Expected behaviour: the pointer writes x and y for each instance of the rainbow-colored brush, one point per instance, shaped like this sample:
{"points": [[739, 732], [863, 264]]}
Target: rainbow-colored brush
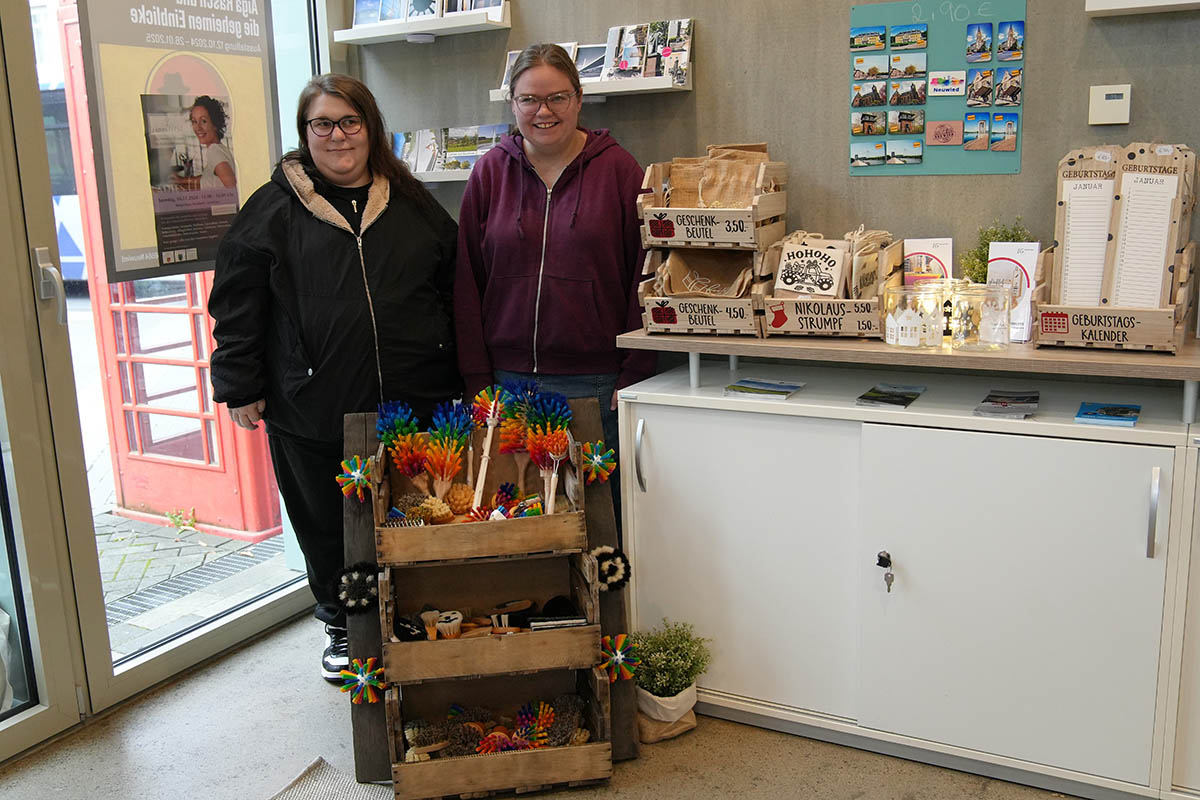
{"points": [[546, 438], [398, 431], [486, 410], [447, 440], [512, 424]]}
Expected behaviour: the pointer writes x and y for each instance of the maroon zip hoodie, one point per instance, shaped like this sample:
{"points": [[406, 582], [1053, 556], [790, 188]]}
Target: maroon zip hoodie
{"points": [[547, 279]]}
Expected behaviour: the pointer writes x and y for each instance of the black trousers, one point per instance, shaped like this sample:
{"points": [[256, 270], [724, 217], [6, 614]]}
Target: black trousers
{"points": [[305, 470]]}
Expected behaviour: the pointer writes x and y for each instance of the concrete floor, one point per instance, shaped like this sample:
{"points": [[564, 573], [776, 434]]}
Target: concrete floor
{"points": [[242, 726]]}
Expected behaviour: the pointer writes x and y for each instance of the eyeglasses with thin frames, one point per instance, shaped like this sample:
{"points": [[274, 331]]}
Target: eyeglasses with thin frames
{"points": [[530, 104], [324, 127]]}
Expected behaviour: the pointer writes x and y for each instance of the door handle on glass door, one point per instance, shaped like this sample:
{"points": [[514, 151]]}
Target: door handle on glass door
{"points": [[50, 282], [637, 454], [1152, 523]]}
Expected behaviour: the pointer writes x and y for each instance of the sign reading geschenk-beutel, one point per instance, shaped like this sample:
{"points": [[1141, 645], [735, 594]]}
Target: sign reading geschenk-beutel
{"points": [[183, 118]]}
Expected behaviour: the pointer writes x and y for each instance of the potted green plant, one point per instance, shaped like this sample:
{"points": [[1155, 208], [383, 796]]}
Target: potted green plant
{"points": [[672, 658], [974, 262]]}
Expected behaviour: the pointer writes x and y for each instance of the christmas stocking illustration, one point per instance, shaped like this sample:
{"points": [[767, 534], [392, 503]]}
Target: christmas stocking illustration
{"points": [[780, 318]]}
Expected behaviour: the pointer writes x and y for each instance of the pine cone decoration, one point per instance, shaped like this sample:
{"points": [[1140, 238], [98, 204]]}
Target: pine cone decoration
{"points": [[459, 498], [439, 512]]}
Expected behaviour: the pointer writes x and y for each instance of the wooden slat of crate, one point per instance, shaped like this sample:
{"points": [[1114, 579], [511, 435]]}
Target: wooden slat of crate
{"points": [[442, 777], [565, 648], [585, 587], [558, 533]]}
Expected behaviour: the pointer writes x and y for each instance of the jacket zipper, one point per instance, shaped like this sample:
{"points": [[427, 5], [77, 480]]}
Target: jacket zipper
{"points": [[362, 263], [537, 304]]}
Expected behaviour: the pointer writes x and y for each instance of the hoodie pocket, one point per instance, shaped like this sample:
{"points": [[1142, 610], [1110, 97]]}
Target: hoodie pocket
{"points": [[296, 367], [570, 320]]}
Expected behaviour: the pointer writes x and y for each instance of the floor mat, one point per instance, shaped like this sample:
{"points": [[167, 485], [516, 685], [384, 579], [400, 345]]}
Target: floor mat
{"points": [[320, 781]]}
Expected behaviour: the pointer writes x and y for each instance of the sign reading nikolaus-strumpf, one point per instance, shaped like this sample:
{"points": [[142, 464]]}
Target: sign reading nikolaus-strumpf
{"points": [[683, 314], [825, 317], [733, 226], [807, 268]]}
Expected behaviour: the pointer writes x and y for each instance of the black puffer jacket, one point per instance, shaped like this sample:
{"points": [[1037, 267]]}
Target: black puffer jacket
{"points": [[312, 318]]}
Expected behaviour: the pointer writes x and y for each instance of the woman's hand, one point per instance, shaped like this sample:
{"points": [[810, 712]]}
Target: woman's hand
{"points": [[248, 416], [612, 405]]}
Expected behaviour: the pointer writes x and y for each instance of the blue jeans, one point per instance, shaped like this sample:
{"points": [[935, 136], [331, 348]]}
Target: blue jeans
{"points": [[600, 387]]}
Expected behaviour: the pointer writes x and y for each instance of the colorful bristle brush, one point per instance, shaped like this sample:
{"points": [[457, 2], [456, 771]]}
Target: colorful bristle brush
{"points": [[486, 410], [512, 425], [598, 461], [408, 454], [447, 441], [355, 477], [546, 438], [395, 420]]}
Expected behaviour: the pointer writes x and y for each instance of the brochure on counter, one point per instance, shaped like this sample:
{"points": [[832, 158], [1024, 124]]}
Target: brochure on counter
{"points": [[762, 389], [1123, 415], [889, 395], [1009, 403]]}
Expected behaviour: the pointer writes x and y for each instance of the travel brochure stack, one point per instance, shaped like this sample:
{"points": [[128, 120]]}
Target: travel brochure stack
{"points": [[644, 50], [446, 149], [368, 12]]}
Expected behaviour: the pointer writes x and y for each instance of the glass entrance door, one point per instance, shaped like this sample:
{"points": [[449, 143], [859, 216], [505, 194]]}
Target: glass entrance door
{"points": [[172, 526]]}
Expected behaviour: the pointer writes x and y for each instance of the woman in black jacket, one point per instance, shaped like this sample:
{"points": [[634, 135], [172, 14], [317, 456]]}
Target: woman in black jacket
{"points": [[332, 293]]}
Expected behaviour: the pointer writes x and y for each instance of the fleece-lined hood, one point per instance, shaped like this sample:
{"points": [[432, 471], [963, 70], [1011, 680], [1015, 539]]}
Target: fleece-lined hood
{"points": [[291, 176]]}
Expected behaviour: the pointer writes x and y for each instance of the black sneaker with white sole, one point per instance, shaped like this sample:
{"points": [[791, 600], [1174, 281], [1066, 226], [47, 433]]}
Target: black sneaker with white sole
{"points": [[337, 654]]}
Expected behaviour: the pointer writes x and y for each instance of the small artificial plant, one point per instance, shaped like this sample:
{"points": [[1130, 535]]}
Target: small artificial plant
{"points": [[974, 262], [673, 657]]}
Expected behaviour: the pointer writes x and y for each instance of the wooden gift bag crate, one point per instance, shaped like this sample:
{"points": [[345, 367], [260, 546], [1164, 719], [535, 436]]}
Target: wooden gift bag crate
{"points": [[711, 315], [753, 228], [830, 316], [520, 771], [1157, 329]]}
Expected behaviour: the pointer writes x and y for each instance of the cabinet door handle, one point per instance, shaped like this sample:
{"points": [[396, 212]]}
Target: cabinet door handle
{"points": [[1152, 523], [637, 455]]}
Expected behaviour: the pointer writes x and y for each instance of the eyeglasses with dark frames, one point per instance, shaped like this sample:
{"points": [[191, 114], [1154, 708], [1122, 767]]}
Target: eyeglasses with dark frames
{"points": [[322, 126], [530, 104]]}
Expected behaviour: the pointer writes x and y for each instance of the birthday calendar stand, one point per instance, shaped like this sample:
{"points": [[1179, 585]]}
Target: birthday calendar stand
{"points": [[478, 565]]}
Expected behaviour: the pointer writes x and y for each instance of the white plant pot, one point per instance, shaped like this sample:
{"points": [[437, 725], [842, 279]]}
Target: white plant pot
{"points": [[666, 709]]}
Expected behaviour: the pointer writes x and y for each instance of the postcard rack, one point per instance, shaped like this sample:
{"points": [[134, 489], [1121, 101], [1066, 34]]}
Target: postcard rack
{"points": [[477, 565]]}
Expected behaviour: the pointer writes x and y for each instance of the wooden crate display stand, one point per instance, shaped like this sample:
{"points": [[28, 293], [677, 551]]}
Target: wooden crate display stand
{"points": [[477, 564], [753, 228], [716, 315], [1156, 329]]}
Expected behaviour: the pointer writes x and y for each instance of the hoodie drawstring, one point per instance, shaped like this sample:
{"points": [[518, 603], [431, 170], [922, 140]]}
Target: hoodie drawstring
{"points": [[521, 208]]}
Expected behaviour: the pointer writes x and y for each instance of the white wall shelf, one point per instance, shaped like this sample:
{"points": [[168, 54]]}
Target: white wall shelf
{"points": [[443, 175], [663, 83], [490, 19], [1112, 8]]}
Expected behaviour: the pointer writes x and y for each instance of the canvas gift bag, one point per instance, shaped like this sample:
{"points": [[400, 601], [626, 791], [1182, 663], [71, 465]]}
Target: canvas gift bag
{"points": [[705, 273], [683, 189], [728, 183]]}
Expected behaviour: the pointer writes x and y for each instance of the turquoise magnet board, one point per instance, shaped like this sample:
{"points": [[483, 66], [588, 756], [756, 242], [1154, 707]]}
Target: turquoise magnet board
{"points": [[891, 115]]}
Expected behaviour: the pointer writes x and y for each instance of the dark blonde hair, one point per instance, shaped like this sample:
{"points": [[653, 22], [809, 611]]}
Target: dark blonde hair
{"points": [[551, 55]]}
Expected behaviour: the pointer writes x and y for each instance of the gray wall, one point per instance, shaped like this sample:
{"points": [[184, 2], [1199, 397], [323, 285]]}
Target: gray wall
{"points": [[776, 71]]}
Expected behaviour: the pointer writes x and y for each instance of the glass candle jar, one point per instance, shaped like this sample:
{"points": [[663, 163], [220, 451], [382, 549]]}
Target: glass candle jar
{"points": [[911, 316], [980, 316], [947, 286]]}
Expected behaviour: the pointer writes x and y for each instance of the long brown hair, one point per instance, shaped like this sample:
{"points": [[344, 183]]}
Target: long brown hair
{"points": [[549, 54], [380, 158]]}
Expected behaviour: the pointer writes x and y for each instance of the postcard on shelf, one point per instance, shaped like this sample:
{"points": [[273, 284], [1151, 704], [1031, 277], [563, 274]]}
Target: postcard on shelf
{"points": [[944, 132], [976, 129], [589, 60], [762, 389], [914, 36], [1015, 264], [867, 154], [510, 58], [868, 37], [631, 52], [907, 65], [889, 395], [423, 9], [366, 12], [979, 42], [868, 68], [392, 10], [979, 87], [1008, 86], [427, 152], [1009, 403], [868, 123], [1124, 415], [948, 84], [656, 42], [1010, 38], [570, 47], [677, 55], [908, 92], [906, 122], [931, 257], [464, 6], [1004, 133]]}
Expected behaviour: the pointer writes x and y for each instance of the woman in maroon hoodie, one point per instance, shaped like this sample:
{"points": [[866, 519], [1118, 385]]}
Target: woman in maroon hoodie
{"points": [[549, 251]]}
